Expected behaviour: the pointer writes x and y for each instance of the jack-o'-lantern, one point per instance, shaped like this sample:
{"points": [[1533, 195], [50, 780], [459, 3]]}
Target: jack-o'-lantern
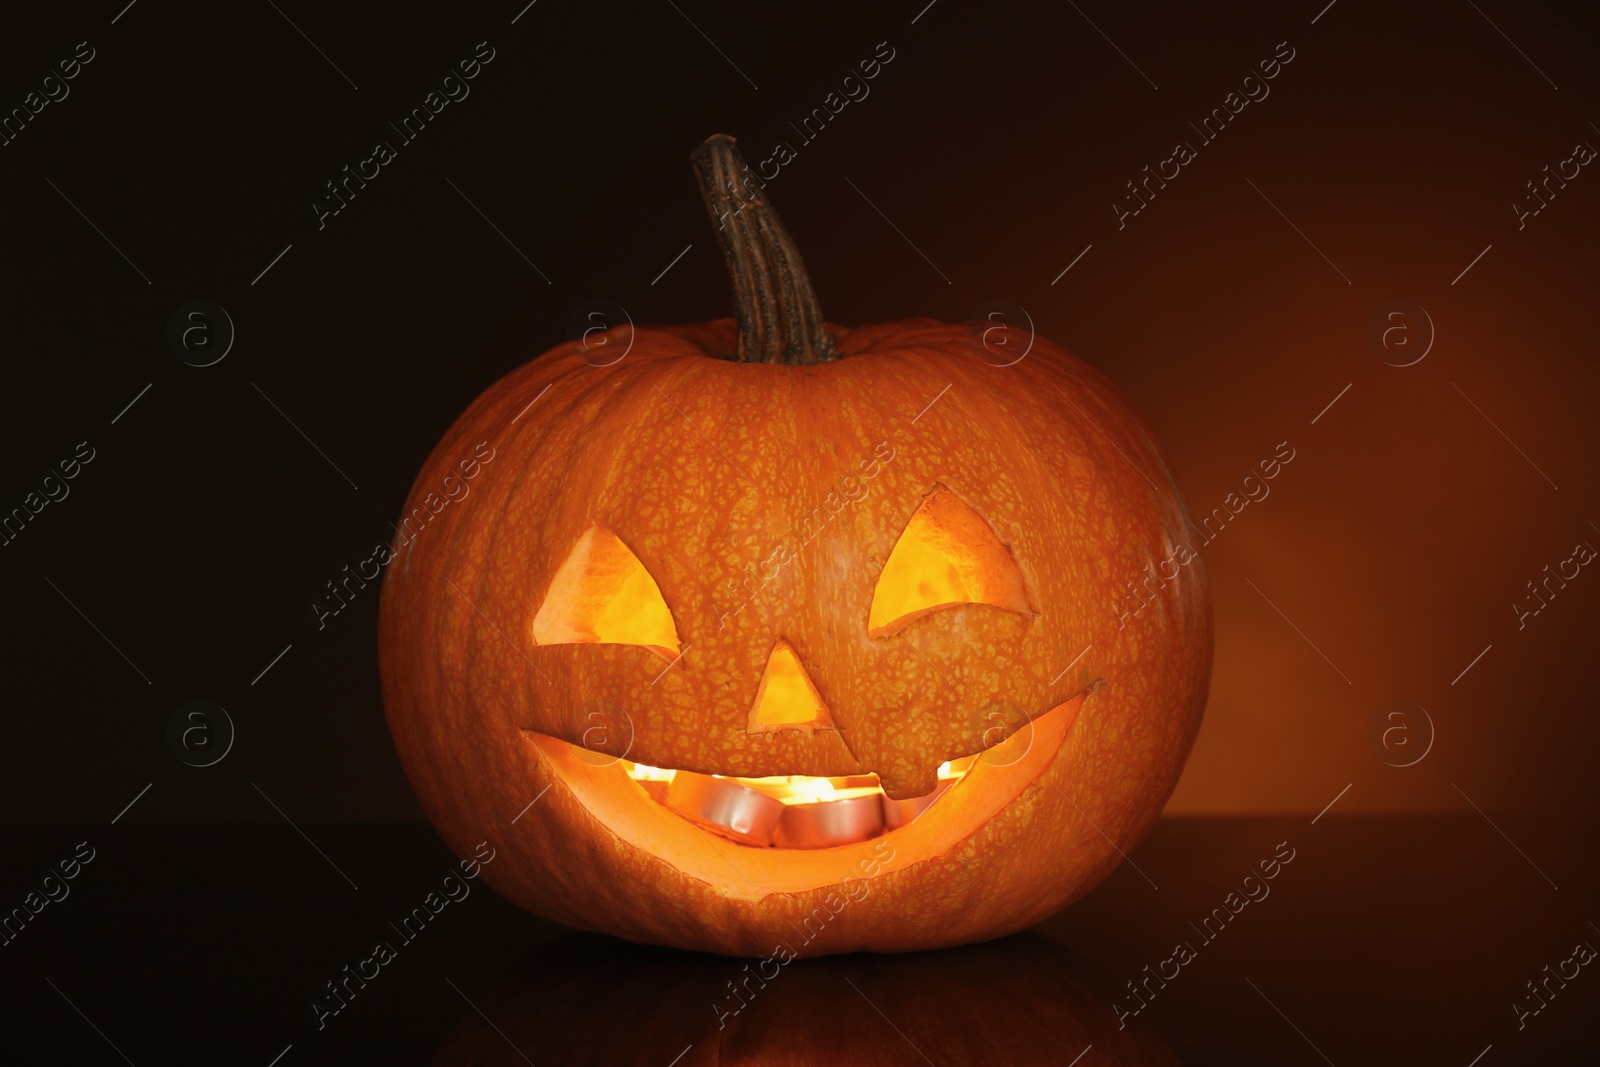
{"points": [[771, 630]]}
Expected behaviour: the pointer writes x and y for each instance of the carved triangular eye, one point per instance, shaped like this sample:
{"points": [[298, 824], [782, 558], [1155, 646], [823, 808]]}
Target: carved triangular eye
{"points": [[787, 698], [602, 594], [947, 555]]}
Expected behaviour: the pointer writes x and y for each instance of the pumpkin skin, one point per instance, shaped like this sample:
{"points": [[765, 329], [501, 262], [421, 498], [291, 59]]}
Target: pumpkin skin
{"points": [[1021, 1001], [703, 467]]}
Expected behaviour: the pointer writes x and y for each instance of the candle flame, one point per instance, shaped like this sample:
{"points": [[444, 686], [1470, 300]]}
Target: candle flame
{"points": [[951, 769], [813, 791], [801, 788]]}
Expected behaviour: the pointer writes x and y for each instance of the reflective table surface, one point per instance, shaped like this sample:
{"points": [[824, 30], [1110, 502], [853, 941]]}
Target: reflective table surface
{"points": [[1370, 940]]}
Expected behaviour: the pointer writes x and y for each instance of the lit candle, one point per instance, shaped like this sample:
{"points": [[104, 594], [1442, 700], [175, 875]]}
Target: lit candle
{"points": [[837, 817], [725, 806]]}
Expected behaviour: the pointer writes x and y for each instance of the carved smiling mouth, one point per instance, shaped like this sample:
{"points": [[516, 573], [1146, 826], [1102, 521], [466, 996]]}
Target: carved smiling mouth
{"points": [[802, 812]]}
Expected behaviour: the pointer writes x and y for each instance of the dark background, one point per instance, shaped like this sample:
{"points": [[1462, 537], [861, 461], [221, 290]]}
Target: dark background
{"points": [[1386, 558]]}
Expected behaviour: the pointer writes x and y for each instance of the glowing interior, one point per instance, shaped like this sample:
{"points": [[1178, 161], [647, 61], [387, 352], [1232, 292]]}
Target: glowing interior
{"points": [[842, 822], [787, 697], [602, 594], [802, 788], [947, 555], [790, 810]]}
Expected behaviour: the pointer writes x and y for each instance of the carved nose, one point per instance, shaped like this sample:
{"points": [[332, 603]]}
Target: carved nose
{"points": [[787, 699]]}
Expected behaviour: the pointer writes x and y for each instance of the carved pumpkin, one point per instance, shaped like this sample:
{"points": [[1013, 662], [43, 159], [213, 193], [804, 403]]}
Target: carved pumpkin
{"points": [[1018, 1002], [775, 631]]}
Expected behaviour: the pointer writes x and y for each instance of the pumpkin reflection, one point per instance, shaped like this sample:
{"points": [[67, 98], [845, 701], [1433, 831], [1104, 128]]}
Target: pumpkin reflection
{"points": [[590, 999]]}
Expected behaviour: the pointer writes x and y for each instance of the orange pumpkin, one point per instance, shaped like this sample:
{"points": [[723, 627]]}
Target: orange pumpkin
{"points": [[776, 633]]}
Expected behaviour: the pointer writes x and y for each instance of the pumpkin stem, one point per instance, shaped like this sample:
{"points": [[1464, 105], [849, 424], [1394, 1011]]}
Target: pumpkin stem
{"points": [[779, 320]]}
